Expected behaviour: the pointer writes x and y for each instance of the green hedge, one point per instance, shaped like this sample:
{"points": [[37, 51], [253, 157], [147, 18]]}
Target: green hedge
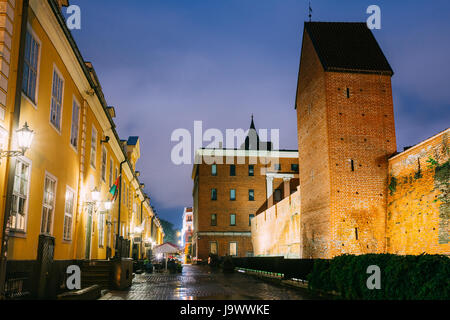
{"points": [[424, 277]]}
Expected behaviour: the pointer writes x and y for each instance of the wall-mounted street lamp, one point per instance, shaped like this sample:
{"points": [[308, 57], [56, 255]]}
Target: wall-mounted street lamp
{"points": [[108, 205], [24, 139], [106, 140], [95, 195]]}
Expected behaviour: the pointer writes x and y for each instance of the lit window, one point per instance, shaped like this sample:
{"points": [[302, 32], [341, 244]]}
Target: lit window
{"points": [[48, 205], [232, 194], [233, 249], [213, 247], [214, 219], [20, 196], [68, 214], [101, 230], [30, 67], [57, 98], [214, 170]]}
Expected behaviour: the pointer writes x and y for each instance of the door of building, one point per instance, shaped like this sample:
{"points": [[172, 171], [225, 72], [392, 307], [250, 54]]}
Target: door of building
{"points": [[88, 233], [46, 249]]}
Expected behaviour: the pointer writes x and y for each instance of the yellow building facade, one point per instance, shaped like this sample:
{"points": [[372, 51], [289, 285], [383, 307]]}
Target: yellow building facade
{"points": [[48, 195]]}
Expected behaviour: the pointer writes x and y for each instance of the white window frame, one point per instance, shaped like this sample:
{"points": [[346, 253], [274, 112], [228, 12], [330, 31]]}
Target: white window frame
{"points": [[26, 206], [101, 228], [93, 160], [111, 168], [56, 70], [104, 165], [69, 214], [75, 101], [36, 95], [51, 177]]}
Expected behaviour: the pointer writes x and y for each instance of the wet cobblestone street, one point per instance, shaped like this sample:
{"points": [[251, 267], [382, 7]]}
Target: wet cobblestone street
{"points": [[200, 283]]}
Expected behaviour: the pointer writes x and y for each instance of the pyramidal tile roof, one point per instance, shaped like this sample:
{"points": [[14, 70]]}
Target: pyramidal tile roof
{"points": [[347, 46]]}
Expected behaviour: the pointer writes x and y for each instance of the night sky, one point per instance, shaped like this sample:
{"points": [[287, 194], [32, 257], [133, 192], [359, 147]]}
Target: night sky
{"points": [[163, 64]]}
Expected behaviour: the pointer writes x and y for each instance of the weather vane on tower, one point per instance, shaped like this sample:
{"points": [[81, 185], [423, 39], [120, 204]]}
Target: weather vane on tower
{"points": [[310, 12]]}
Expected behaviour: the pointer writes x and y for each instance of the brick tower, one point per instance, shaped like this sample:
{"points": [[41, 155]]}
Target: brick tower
{"points": [[346, 134]]}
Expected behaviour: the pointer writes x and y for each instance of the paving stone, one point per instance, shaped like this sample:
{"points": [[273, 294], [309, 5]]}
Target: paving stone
{"points": [[200, 283]]}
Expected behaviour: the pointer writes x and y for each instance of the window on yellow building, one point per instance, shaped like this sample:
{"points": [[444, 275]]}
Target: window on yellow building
{"points": [[20, 196], [111, 164], [101, 230], [48, 205], [30, 67], [57, 99], [93, 147], [75, 124], [68, 214], [104, 164]]}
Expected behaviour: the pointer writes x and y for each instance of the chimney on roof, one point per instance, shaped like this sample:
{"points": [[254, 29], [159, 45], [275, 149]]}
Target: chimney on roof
{"points": [[111, 111]]}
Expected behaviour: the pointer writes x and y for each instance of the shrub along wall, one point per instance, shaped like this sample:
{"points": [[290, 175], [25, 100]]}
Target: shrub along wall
{"points": [[424, 277]]}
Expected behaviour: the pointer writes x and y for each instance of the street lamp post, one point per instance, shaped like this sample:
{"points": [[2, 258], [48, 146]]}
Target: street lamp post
{"points": [[24, 140]]}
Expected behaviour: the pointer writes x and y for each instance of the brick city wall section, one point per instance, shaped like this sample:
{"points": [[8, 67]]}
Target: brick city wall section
{"points": [[276, 232], [361, 138], [419, 199], [313, 154], [344, 142]]}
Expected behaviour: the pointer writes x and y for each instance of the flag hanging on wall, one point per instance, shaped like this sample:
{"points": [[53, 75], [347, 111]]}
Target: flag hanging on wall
{"points": [[114, 191]]}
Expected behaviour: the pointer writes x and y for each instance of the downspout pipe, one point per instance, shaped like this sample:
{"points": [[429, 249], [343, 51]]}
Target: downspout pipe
{"points": [[120, 196], [12, 162], [142, 202]]}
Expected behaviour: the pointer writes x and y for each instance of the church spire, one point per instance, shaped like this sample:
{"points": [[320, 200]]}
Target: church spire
{"points": [[252, 125]]}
